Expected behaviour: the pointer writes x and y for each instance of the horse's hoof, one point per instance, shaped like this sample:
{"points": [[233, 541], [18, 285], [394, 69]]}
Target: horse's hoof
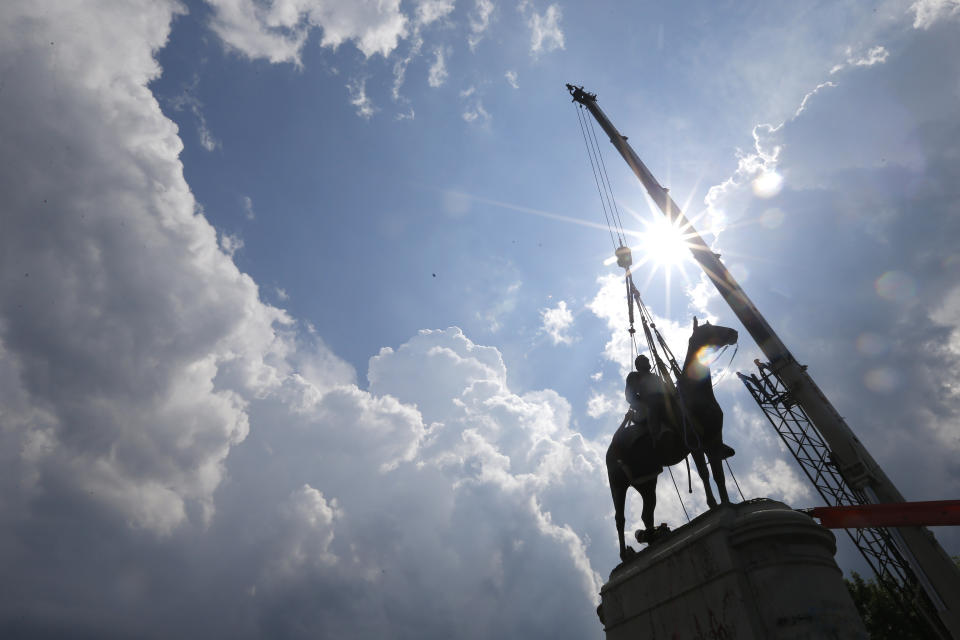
{"points": [[712, 504], [627, 554], [726, 451]]}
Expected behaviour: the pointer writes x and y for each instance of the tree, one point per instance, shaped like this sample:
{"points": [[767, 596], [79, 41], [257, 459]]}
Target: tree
{"points": [[883, 616]]}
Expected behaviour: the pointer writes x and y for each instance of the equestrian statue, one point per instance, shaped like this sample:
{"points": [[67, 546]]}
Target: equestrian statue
{"points": [[663, 426]]}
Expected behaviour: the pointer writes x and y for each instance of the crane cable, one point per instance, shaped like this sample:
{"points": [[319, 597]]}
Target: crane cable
{"points": [[596, 179], [653, 336], [608, 204], [606, 177]]}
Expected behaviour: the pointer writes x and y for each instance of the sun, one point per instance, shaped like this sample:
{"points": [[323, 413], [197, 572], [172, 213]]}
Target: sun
{"points": [[662, 244]]}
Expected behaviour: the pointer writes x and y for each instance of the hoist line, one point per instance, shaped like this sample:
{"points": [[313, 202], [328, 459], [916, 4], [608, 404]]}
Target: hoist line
{"points": [[598, 157], [727, 460], [603, 204], [726, 371], [678, 494], [645, 313], [606, 177]]}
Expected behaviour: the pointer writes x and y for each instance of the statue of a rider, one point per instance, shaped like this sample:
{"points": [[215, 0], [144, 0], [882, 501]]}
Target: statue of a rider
{"points": [[645, 395]]}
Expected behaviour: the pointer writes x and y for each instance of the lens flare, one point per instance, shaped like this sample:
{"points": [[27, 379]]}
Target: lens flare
{"points": [[881, 380], [772, 218], [895, 286], [767, 184], [871, 344]]}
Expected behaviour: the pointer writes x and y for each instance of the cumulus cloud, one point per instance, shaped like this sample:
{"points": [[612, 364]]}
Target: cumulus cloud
{"points": [[170, 442], [125, 367], [278, 31], [610, 305], [545, 32], [556, 322], [601, 404], [511, 77]]}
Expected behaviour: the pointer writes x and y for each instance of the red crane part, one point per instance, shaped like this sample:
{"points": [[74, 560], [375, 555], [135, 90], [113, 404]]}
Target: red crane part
{"points": [[933, 513]]}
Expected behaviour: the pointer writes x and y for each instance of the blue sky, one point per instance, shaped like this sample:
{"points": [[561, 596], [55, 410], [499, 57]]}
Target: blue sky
{"points": [[305, 325]]}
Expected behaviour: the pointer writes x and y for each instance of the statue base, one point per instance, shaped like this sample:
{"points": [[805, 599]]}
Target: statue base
{"points": [[754, 570]]}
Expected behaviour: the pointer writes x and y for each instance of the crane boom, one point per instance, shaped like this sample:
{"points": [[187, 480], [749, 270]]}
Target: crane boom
{"points": [[939, 575]]}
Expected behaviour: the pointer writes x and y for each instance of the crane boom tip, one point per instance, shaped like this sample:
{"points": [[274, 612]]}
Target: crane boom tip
{"points": [[579, 95]]}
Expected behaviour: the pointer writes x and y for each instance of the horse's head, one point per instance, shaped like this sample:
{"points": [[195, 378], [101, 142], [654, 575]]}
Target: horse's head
{"points": [[711, 335]]}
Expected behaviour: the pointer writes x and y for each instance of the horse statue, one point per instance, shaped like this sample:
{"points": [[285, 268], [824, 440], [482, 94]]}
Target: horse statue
{"points": [[691, 422]]}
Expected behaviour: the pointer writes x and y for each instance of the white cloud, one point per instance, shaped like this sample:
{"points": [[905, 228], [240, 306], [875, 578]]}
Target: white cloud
{"points": [[359, 99], [511, 77], [278, 31], [758, 169], [188, 100], [480, 19], [505, 304], [777, 480], [400, 66], [429, 11], [282, 294], [310, 522], [474, 111], [927, 12], [610, 305], [248, 211], [545, 32], [438, 70], [169, 442], [557, 322], [601, 404], [231, 243], [125, 366], [874, 55], [183, 440]]}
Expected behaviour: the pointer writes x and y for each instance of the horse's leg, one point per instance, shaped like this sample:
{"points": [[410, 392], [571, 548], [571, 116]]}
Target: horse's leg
{"points": [[701, 463], [648, 491], [618, 489], [716, 465]]}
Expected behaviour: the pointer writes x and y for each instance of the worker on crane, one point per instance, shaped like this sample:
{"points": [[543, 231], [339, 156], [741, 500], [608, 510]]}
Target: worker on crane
{"points": [[646, 398]]}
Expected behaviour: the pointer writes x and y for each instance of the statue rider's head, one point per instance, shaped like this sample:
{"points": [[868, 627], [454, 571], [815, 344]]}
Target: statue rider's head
{"points": [[642, 363]]}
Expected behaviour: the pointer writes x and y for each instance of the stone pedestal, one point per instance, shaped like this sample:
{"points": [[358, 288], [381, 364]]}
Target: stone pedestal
{"points": [[757, 570]]}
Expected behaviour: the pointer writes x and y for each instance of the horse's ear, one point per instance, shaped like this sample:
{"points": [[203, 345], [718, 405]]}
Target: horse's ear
{"points": [[694, 323]]}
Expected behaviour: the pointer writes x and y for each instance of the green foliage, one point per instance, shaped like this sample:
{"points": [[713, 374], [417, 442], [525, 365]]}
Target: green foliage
{"points": [[883, 616]]}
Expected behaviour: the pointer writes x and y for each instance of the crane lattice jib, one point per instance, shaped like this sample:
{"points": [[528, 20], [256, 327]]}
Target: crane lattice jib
{"points": [[804, 441], [850, 458]]}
